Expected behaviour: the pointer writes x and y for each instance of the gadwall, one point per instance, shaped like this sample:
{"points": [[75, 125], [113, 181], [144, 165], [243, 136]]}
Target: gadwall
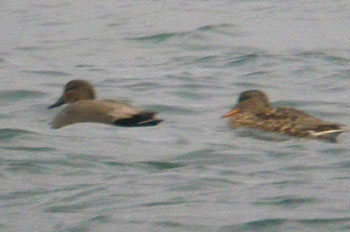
{"points": [[253, 110], [84, 107]]}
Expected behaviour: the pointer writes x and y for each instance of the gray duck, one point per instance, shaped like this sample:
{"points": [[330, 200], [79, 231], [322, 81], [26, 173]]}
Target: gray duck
{"points": [[84, 107]]}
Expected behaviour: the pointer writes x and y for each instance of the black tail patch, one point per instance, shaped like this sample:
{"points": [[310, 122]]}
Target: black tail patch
{"points": [[141, 119]]}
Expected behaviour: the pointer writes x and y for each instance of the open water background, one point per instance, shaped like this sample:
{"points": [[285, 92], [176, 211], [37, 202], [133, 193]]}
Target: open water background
{"points": [[189, 60]]}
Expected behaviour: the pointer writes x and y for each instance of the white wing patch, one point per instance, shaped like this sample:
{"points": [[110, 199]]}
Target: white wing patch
{"points": [[328, 133]]}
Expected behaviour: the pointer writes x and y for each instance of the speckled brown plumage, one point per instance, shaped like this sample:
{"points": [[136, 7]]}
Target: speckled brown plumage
{"points": [[253, 110]]}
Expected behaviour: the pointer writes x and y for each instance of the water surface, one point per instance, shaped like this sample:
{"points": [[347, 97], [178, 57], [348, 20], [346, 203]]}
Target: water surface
{"points": [[189, 61]]}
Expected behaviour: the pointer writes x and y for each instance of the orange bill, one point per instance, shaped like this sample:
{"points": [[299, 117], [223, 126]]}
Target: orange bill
{"points": [[233, 112]]}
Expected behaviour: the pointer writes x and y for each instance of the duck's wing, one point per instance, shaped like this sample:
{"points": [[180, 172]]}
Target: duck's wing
{"points": [[124, 114]]}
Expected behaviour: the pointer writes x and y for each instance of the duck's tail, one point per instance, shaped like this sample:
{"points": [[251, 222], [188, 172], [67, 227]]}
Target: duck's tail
{"points": [[144, 118], [328, 132]]}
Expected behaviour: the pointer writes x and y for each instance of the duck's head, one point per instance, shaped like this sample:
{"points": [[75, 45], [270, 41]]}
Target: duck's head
{"points": [[251, 101], [75, 90]]}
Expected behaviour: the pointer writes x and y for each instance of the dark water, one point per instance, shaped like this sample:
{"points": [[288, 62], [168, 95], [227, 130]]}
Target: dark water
{"points": [[189, 60]]}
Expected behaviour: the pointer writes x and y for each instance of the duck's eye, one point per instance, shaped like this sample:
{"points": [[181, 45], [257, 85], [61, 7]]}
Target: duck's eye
{"points": [[243, 98], [71, 87]]}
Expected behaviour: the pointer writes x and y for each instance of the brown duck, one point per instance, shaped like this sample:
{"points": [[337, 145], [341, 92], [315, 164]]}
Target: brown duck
{"points": [[84, 107], [253, 110]]}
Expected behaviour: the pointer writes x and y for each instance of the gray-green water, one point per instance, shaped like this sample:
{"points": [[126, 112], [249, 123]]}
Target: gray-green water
{"points": [[189, 60]]}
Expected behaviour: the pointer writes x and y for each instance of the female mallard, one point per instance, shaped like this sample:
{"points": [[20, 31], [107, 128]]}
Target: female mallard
{"points": [[83, 107], [253, 110]]}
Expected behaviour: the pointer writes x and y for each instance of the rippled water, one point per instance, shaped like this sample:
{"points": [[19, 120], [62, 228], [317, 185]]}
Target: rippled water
{"points": [[189, 60]]}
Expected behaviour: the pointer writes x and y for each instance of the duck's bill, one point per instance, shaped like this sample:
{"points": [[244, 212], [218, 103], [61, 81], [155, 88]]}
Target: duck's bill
{"points": [[229, 114], [59, 102]]}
